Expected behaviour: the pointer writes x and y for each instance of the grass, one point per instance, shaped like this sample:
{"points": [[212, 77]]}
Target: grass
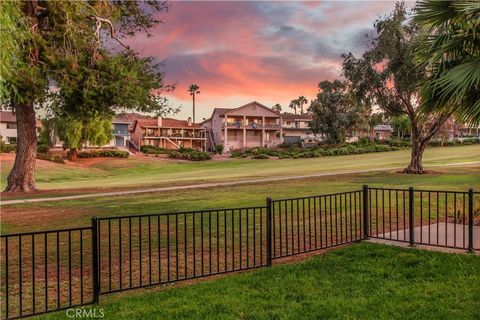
{"points": [[130, 173], [73, 213], [362, 281]]}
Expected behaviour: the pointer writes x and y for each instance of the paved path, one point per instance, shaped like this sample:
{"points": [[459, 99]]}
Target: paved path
{"points": [[212, 184], [449, 234]]}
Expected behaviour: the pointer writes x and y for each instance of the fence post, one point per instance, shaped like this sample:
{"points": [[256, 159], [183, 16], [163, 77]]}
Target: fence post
{"points": [[470, 220], [269, 230], [365, 211], [95, 261], [411, 224]]}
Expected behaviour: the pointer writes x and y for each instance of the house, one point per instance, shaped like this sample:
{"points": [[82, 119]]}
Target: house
{"points": [[382, 132], [296, 128], [121, 133], [168, 133], [247, 126], [8, 127]]}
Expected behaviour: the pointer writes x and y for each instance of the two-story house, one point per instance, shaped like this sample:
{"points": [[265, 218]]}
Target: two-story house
{"points": [[168, 133], [296, 128], [248, 126], [8, 127]]}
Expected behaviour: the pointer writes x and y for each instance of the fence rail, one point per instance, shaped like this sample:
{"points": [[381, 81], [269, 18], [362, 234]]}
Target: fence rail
{"points": [[51, 270]]}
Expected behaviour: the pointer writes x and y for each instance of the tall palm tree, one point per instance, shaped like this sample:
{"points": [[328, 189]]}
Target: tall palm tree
{"points": [[302, 100], [194, 90], [277, 107], [293, 105], [450, 51]]}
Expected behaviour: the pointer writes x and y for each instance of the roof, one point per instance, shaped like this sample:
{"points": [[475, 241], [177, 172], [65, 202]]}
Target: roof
{"points": [[7, 116], [10, 117], [222, 111], [291, 116], [383, 127]]}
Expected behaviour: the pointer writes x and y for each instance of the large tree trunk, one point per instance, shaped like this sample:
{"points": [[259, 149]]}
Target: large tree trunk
{"points": [[420, 141], [415, 166], [22, 176]]}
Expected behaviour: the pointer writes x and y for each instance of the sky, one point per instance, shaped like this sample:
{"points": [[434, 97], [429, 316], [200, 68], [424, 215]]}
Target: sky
{"points": [[265, 51]]}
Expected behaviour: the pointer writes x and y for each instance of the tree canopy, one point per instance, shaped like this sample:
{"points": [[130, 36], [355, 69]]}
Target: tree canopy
{"points": [[450, 52], [388, 76], [335, 111], [70, 58]]}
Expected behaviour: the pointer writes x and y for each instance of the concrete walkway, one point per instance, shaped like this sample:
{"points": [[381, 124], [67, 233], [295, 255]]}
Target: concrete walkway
{"points": [[212, 184], [427, 236]]}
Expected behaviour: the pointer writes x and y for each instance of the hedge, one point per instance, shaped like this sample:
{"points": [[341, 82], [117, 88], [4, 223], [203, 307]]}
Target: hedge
{"points": [[190, 154], [49, 157], [103, 153]]}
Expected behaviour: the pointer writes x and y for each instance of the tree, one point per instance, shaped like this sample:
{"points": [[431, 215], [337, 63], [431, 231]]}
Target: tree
{"points": [[450, 52], [194, 90], [301, 101], [12, 33], [387, 76], [401, 125], [76, 132], [58, 39], [277, 107], [335, 111], [293, 105]]}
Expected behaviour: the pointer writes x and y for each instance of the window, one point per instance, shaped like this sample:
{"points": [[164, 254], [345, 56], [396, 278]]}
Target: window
{"points": [[12, 140], [11, 126]]}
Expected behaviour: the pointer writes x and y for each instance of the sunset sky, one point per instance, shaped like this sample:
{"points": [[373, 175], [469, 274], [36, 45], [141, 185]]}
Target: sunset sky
{"points": [[270, 52]]}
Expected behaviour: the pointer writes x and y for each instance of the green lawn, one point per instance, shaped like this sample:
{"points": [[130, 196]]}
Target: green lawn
{"points": [[362, 281], [119, 173], [71, 213]]}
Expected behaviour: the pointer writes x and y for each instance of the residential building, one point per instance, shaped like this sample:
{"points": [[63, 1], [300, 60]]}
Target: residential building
{"points": [[168, 133], [248, 126], [296, 128], [8, 127], [382, 132]]}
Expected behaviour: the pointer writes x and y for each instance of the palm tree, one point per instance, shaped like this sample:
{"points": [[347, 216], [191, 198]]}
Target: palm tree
{"points": [[194, 90], [293, 105], [302, 100], [451, 54], [277, 107]]}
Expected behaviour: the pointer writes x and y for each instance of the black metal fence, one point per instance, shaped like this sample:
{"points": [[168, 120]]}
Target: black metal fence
{"points": [[58, 269], [425, 217], [46, 271]]}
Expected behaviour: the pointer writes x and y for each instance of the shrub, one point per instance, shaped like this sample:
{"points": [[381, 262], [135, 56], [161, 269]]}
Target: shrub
{"points": [[190, 154], [153, 150], [7, 148], [103, 153], [260, 156], [42, 148], [219, 148], [47, 157]]}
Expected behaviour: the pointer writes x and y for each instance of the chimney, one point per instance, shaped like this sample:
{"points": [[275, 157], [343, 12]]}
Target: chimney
{"points": [[159, 121], [189, 121]]}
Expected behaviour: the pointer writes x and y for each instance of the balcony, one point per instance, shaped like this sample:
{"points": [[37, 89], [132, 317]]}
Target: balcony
{"points": [[120, 132]]}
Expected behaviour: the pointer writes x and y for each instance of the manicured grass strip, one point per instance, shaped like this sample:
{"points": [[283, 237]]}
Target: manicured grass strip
{"points": [[362, 281], [117, 173]]}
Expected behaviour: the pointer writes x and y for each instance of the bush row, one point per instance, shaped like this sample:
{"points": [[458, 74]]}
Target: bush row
{"points": [[49, 157], [295, 153], [103, 153], [190, 154], [7, 148], [154, 150]]}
